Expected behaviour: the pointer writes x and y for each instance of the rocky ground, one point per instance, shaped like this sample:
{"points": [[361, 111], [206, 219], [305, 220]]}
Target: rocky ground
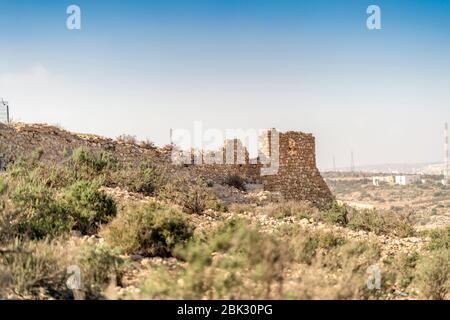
{"points": [[391, 246]]}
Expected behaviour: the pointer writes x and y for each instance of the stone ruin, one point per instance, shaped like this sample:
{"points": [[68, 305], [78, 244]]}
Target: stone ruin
{"points": [[296, 177]]}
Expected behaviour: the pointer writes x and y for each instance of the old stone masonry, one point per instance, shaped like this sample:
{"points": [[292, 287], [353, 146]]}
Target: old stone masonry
{"points": [[296, 177]]}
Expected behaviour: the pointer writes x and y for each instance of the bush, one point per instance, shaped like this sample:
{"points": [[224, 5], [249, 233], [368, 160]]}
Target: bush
{"points": [[336, 214], [100, 266], [380, 223], [440, 239], [33, 270], [55, 177], [433, 275], [220, 263], [193, 197], [241, 208], [217, 205], [146, 179], [147, 144], [86, 160], [406, 267], [128, 139], [304, 245], [83, 164], [300, 209], [88, 207], [236, 181], [3, 186], [39, 269], [36, 213], [153, 230]]}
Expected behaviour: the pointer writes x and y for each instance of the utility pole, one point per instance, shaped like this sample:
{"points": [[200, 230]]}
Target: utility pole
{"points": [[352, 165], [6, 105], [334, 164], [446, 172]]}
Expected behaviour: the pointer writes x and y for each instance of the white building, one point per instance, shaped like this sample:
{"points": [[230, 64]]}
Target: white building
{"points": [[407, 180], [383, 180]]}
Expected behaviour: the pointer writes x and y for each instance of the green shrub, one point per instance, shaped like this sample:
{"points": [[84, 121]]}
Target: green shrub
{"points": [[440, 239], [307, 249], [217, 205], [336, 214], [86, 160], [100, 266], [32, 171], [305, 244], [147, 179], [433, 275], [3, 186], [152, 230], [406, 267], [88, 207], [220, 263], [369, 249], [36, 213], [380, 223]]}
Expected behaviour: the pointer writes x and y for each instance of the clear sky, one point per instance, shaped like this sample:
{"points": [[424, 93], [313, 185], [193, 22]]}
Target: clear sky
{"points": [[143, 67]]}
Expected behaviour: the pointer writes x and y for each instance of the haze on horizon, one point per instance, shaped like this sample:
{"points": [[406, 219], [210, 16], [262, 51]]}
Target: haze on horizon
{"points": [[143, 67]]}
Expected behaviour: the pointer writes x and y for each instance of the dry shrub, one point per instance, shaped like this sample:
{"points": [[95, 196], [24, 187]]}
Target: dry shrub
{"points": [[127, 139], [191, 196], [236, 181], [299, 209], [433, 275], [151, 230], [380, 222], [146, 179], [232, 262], [38, 269], [241, 208]]}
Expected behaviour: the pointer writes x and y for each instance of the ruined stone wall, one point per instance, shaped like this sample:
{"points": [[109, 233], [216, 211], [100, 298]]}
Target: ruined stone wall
{"points": [[297, 176]]}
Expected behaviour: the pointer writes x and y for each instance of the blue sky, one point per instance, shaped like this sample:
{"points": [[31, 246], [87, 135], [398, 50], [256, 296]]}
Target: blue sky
{"points": [[143, 67]]}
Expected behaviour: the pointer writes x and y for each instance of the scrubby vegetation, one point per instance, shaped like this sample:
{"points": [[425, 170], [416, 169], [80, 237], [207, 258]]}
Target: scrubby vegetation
{"points": [[191, 196], [236, 181], [380, 223], [167, 236], [152, 230]]}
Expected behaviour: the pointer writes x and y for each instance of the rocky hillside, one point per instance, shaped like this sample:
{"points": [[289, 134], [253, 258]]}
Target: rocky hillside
{"points": [[91, 227]]}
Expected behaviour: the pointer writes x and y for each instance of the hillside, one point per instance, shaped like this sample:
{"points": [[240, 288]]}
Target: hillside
{"points": [[89, 225]]}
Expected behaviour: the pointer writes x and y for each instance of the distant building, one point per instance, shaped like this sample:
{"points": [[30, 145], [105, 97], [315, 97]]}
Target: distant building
{"points": [[407, 180], [377, 181]]}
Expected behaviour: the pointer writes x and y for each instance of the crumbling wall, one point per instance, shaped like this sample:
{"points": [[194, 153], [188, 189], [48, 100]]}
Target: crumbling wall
{"points": [[297, 176], [295, 173]]}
